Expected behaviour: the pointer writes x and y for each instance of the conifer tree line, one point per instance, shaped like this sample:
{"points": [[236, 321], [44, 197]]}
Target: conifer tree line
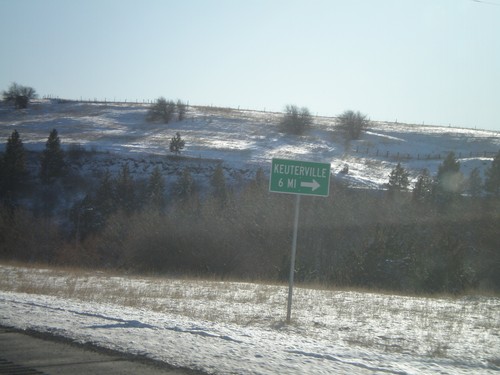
{"points": [[449, 181], [439, 236]]}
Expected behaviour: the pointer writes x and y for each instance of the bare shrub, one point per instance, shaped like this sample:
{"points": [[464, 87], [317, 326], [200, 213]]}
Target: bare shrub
{"points": [[353, 124], [162, 110], [19, 95], [295, 120]]}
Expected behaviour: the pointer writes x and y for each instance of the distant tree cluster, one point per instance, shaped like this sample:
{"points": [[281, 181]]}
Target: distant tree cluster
{"points": [[165, 110], [297, 120], [449, 183], [14, 176], [19, 95]]}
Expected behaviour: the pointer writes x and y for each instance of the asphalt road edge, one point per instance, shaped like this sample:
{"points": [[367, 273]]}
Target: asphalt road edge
{"points": [[143, 359]]}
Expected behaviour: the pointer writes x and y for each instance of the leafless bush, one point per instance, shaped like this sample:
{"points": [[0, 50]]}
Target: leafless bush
{"points": [[295, 120], [353, 124]]}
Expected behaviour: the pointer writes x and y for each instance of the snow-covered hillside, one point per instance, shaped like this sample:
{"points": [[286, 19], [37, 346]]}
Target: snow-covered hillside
{"points": [[245, 140]]}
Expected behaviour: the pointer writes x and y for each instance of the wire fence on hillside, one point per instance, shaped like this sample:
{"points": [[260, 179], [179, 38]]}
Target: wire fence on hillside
{"points": [[392, 155], [365, 151], [100, 101]]}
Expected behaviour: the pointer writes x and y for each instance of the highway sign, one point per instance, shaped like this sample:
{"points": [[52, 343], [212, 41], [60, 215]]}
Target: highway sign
{"points": [[299, 177]]}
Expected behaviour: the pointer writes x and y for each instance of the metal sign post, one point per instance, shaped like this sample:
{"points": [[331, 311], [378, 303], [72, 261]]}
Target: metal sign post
{"points": [[300, 178], [292, 259]]}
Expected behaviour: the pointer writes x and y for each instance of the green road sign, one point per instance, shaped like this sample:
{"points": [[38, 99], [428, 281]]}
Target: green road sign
{"points": [[300, 177]]}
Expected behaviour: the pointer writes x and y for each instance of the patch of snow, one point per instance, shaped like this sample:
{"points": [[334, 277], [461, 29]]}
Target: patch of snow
{"points": [[227, 328]]}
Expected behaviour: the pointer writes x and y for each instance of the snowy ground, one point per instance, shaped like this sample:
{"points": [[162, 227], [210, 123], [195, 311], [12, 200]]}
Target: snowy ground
{"points": [[244, 139], [237, 328]]}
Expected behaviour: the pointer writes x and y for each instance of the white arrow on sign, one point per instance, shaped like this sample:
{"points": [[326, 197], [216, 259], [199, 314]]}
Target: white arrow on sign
{"points": [[314, 184]]}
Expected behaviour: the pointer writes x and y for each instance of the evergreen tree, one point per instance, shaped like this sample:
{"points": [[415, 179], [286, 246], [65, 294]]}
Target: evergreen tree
{"points": [[449, 179], [52, 163], [219, 186], [424, 187], [104, 201], [156, 190], [399, 179], [185, 188], [474, 183], [177, 144], [492, 183], [125, 191], [104, 197], [448, 176], [13, 166]]}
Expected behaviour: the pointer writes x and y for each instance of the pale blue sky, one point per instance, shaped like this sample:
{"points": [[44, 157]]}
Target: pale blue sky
{"points": [[432, 61]]}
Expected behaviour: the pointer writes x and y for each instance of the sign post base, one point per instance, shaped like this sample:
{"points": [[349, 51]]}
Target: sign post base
{"points": [[292, 260]]}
